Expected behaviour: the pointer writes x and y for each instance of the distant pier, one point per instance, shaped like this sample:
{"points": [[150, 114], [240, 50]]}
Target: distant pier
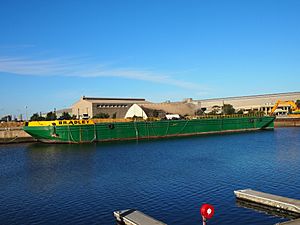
{"points": [[288, 204]]}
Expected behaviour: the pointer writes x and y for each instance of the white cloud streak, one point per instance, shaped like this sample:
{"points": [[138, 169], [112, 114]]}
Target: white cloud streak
{"points": [[77, 67]]}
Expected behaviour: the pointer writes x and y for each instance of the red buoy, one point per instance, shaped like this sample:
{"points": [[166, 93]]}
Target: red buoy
{"points": [[207, 211]]}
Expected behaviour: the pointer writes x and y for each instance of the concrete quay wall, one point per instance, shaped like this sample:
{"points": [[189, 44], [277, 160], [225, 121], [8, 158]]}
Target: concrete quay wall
{"points": [[14, 135], [287, 122]]}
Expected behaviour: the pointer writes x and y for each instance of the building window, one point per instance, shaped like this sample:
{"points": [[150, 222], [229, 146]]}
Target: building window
{"points": [[112, 106]]}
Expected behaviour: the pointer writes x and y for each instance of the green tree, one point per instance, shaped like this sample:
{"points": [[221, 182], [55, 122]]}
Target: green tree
{"points": [[51, 116], [114, 116], [36, 117], [65, 116], [228, 109], [298, 103], [101, 116], [254, 112]]}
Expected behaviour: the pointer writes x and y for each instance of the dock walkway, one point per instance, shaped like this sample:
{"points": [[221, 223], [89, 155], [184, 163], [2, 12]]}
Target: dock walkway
{"points": [[134, 217], [291, 222]]}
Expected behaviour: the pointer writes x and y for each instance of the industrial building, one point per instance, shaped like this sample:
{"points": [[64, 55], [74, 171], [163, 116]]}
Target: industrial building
{"points": [[88, 107], [263, 103], [259, 103]]}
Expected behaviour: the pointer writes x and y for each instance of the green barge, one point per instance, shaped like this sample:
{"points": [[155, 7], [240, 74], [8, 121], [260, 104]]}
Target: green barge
{"points": [[86, 131]]}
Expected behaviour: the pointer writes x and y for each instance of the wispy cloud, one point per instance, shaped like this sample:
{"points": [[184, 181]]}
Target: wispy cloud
{"points": [[80, 67]]}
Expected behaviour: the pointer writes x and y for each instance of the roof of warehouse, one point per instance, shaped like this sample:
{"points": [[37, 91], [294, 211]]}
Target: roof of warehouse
{"points": [[252, 96], [122, 99]]}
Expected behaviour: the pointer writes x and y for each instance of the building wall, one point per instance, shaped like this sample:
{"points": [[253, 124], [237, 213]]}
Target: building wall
{"points": [[111, 106], [180, 108], [82, 107]]}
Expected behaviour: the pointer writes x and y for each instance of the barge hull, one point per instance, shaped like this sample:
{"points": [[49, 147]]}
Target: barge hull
{"points": [[103, 132]]}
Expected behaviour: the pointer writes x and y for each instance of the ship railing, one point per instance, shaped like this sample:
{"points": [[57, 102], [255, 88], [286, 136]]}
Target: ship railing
{"points": [[150, 119], [229, 116], [116, 120]]}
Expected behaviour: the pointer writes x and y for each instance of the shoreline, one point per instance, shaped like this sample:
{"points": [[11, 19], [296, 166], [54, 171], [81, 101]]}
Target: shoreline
{"points": [[13, 135]]}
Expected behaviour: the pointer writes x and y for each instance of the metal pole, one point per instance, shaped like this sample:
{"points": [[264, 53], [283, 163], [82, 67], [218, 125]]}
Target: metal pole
{"points": [[223, 108], [204, 220], [26, 113]]}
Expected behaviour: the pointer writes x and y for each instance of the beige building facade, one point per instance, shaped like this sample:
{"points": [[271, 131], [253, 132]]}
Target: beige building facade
{"points": [[114, 107]]}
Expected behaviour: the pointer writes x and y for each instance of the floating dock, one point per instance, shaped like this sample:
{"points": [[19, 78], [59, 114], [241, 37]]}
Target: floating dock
{"points": [[134, 217], [292, 222], [279, 202]]}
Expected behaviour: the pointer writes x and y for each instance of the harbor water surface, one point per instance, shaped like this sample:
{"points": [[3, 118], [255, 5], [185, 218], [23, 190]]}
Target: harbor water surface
{"points": [[167, 179]]}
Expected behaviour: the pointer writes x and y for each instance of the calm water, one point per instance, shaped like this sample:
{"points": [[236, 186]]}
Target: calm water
{"points": [[167, 179]]}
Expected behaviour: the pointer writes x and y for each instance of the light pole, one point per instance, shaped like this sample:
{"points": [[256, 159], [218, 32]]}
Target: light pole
{"points": [[26, 113]]}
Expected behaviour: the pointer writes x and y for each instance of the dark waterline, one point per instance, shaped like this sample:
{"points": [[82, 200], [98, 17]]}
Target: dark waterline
{"points": [[167, 179]]}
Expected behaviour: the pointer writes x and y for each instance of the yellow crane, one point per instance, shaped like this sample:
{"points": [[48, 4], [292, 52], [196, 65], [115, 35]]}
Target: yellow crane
{"points": [[294, 107]]}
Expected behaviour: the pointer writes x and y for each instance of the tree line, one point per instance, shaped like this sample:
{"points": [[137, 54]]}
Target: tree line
{"points": [[226, 109], [52, 116]]}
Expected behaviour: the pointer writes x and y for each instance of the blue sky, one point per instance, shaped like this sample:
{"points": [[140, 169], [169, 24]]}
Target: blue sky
{"points": [[53, 52]]}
